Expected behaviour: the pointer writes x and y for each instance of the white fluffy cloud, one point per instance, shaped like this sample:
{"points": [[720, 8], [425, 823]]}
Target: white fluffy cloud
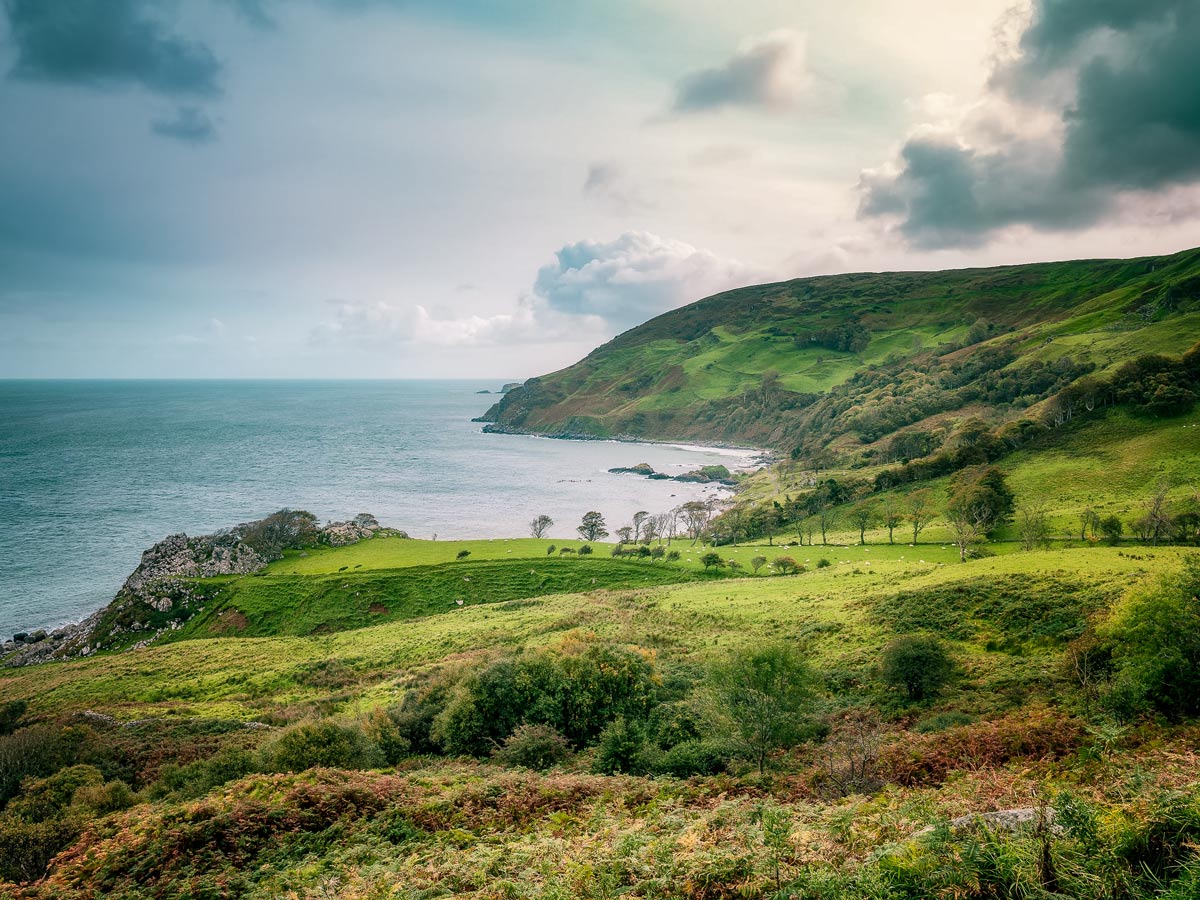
{"points": [[635, 277], [591, 291]]}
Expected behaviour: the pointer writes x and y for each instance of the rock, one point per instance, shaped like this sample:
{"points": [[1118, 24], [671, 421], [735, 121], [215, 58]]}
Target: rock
{"points": [[1019, 819], [20, 636], [511, 386], [640, 469]]}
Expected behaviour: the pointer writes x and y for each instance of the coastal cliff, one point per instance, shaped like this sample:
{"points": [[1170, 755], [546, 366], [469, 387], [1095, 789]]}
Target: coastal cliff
{"points": [[162, 593]]}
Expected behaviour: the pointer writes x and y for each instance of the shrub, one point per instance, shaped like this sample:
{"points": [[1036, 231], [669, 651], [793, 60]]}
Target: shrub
{"points": [[198, 778], [763, 694], [462, 554], [942, 721], [673, 556], [928, 758], [534, 747], [550, 550], [26, 848], [10, 715], [918, 664], [757, 563], [324, 744], [1155, 636], [578, 692], [37, 750], [695, 757], [785, 565], [1112, 529], [712, 560], [823, 563], [621, 748], [585, 550]]}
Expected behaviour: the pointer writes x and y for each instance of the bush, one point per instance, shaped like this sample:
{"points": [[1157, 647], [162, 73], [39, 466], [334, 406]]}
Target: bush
{"points": [[10, 715], [585, 550], [823, 563], [534, 747], [712, 560], [37, 750], [198, 778], [550, 550], [785, 565], [695, 757], [757, 563], [1155, 637], [621, 748], [26, 848], [673, 556], [462, 554], [578, 692], [1112, 529], [325, 744], [918, 664], [941, 722]]}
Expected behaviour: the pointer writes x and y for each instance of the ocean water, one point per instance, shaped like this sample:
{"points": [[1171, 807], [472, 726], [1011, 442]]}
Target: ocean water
{"points": [[93, 472]]}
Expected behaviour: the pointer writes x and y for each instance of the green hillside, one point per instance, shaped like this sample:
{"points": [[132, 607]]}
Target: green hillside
{"points": [[836, 366], [322, 765]]}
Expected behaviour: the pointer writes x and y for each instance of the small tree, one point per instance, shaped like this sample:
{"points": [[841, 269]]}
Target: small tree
{"points": [[968, 523], [539, 526], [585, 550], [1035, 531], [624, 534], [763, 695], [1112, 529], [462, 554], [757, 563], [592, 527], [918, 664], [1088, 518], [920, 510], [785, 565], [863, 516], [892, 516], [712, 560]]}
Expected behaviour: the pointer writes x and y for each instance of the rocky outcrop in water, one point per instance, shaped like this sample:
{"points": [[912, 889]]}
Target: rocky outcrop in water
{"points": [[162, 593]]}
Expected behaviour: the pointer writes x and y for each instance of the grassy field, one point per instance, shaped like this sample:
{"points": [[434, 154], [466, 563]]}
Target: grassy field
{"points": [[202, 823]]}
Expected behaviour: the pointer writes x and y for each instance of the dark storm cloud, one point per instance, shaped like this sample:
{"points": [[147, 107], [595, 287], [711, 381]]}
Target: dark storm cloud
{"points": [[190, 124], [104, 43], [769, 72], [1133, 123]]}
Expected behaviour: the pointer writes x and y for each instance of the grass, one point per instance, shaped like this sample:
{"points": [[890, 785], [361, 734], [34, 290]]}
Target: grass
{"points": [[276, 604], [828, 610]]}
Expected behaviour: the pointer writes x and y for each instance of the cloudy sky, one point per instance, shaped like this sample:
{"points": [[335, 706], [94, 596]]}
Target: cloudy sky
{"points": [[437, 188]]}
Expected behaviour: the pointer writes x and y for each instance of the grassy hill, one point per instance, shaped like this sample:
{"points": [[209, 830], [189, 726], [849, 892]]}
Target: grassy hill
{"points": [[199, 767], [835, 366]]}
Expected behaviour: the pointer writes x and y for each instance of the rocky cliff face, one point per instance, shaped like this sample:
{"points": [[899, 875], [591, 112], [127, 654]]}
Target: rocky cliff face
{"points": [[161, 594]]}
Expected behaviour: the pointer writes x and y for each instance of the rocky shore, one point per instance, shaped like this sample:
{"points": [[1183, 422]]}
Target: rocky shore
{"points": [[161, 594]]}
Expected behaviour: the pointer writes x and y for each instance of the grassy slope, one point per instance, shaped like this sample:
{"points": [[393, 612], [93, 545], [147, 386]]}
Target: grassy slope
{"points": [[481, 832], [825, 609], [651, 380]]}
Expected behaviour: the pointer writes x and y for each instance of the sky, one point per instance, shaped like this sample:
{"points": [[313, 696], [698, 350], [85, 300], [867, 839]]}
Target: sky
{"points": [[491, 188]]}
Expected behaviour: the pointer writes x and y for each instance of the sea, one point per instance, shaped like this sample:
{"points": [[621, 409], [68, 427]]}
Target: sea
{"points": [[94, 472]]}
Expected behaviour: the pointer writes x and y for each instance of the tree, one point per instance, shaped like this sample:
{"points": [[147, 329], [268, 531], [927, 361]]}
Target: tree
{"points": [[757, 563], [1155, 636], [539, 526], [892, 516], [1088, 518], [920, 510], [592, 527], [918, 664], [624, 534], [1035, 532], [763, 695], [696, 516], [1111, 528], [827, 516], [1158, 516], [983, 490], [968, 522], [785, 565], [712, 560], [638, 518], [863, 516]]}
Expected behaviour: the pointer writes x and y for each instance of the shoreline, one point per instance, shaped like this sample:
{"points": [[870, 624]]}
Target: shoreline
{"points": [[759, 454]]}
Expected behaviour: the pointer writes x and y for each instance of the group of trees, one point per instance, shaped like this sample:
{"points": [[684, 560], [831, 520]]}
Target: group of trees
{"points": [[691, 520]]}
